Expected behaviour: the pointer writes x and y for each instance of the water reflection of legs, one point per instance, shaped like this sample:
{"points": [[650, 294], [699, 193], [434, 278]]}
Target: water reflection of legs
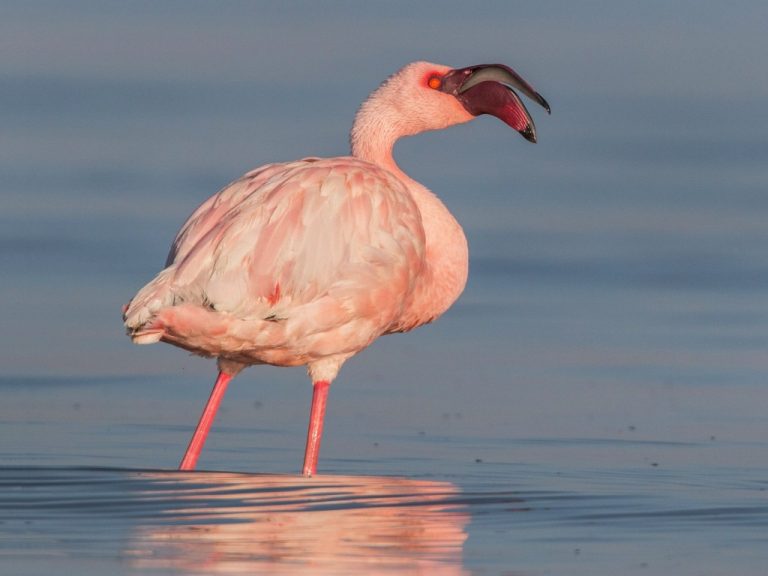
{"points": [[274, 524]]}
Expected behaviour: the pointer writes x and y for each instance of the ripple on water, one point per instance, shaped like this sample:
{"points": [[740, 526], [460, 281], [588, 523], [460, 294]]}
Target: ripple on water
{"points": [[154, 521], [222, 522]]}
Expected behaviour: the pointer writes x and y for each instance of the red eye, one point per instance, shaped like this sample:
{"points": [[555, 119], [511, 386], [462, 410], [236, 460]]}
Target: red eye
{"points": [[435, 82]]}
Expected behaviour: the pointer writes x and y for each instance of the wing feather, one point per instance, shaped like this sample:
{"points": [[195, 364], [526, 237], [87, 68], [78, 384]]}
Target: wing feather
{"points": [[338, 238]]}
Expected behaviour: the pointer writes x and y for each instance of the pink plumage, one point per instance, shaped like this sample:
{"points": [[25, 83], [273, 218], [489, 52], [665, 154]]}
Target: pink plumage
{"points": [[308, 262]]}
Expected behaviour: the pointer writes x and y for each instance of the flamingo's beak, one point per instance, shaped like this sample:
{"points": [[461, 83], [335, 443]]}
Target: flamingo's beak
{"points": [[488, 89]]}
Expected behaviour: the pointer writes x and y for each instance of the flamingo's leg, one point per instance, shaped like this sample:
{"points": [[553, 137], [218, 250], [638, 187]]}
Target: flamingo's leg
{"points": [[206, 419], [315, 431]]}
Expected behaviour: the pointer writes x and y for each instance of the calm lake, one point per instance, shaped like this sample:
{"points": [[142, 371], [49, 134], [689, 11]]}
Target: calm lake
{"points": [[595, 403]]}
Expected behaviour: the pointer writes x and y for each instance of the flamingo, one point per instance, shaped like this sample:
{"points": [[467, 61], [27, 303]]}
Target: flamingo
{"points": [[308, 262]]}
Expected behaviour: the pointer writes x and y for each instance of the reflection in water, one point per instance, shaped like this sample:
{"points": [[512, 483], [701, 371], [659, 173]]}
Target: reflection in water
{"points": [[224, 523]]}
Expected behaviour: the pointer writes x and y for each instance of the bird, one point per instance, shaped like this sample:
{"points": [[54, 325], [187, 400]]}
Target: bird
{"points": [[308, 262]]}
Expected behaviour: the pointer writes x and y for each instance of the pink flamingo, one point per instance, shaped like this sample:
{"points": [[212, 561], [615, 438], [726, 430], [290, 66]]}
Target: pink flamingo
{"points": [[308, 262]]}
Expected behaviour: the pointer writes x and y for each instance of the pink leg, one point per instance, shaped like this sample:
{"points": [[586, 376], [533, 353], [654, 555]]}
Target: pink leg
{"points": [[206, 419], [315, 431]]}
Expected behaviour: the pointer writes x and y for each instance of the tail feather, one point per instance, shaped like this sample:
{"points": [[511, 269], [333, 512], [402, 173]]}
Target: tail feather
{"points": [[139, 312]]}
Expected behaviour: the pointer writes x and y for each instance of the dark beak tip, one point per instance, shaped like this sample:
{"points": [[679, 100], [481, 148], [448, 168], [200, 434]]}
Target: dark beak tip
{"points": [[529, 134], [543, 103]]}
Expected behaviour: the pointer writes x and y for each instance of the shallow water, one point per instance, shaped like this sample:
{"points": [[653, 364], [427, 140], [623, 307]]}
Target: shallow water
{"points": [[596, 401], [447, 493], [514, 520]]}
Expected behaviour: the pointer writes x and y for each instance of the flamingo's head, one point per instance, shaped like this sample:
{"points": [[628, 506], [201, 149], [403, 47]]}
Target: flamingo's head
{"points": [[425, 96]]}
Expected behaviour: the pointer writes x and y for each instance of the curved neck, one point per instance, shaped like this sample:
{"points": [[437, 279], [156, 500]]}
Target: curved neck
{"points": [[373, 139], [446, 246]]}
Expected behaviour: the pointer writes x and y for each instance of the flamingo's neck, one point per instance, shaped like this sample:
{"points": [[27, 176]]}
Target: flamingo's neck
{"points": [[373, 137], [447, 257]]}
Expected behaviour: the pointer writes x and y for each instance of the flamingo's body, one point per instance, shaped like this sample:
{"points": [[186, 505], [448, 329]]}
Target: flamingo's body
{"points": [[308, 262]]}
